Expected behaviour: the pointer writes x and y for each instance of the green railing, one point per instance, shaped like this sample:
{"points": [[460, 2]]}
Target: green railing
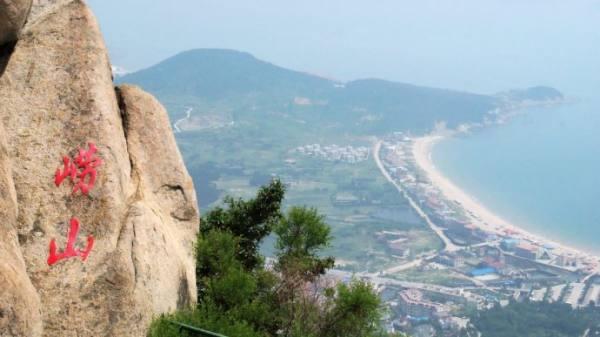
{"points": [[194, 330]]}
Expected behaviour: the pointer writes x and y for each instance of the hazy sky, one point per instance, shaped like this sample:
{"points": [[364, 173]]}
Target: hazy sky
{"points": [[477, 45]]}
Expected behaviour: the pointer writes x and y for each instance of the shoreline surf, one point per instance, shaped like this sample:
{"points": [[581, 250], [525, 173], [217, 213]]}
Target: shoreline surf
{"points": [[479, 214]]}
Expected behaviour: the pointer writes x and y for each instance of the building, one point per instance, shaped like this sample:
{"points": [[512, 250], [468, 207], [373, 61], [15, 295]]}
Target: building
{"points": [[489, 251], [482, 271], [509, 244], [450, 260], [566, 261], [454, 323], [527, 251], [444, 260], [544, 254], [412, 303], [499, 264], [399, 247]]}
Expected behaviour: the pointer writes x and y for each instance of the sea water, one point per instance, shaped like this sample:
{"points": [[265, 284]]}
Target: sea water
{"points": [[540, 170]]}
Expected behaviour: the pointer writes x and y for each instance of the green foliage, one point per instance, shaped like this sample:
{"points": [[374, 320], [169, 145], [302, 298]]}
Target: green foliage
{"points": [[238, 296], [216, 251], [301, 234], [232, 288], [205, 317], [356, 311], [536, 319], [248, 220]]}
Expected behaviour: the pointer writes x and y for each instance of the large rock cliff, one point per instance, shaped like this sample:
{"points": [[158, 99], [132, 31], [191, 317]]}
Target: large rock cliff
{"points": [[56, 97], [13, 14]]}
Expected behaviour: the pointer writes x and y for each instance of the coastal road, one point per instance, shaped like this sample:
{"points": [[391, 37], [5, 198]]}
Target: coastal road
{"points": [[448, 245]]}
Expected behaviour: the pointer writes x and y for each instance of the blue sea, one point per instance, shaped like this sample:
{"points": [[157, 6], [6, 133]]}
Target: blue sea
{"points": [[540, 171]]}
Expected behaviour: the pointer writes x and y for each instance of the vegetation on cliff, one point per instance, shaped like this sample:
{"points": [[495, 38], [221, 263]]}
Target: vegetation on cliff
{"points": [[238, 295]]}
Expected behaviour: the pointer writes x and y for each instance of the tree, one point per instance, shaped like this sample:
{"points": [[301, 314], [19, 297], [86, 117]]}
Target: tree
{"points": [[249, 220], [238, 296], [356, 311], [224, 280], [301, 235]]}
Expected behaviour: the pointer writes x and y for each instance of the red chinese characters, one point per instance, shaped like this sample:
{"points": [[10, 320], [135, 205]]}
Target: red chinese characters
{"points": [[81, 170], [70, 250]]}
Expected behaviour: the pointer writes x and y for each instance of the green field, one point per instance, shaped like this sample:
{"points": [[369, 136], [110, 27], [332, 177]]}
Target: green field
{"points": [[226, 164]]}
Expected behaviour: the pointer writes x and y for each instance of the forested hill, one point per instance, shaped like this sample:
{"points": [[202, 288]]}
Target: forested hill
{"points": [[216, 74], [232, 80]]}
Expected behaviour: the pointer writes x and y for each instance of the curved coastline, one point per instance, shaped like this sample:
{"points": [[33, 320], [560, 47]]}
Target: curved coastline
{"points": [[480, 216]]}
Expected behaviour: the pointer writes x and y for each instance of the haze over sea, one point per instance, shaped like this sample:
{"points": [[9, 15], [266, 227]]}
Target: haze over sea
{"points": [[540, 171]]}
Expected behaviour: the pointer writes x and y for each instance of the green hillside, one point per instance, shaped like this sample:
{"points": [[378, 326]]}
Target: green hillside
{"points": [[408, 107], [217, 74], [237, 80]]}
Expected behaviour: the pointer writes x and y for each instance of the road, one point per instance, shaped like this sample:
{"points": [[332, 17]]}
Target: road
{"points": [[448, 245], [188, 114], [378, 280], [399, 268]]}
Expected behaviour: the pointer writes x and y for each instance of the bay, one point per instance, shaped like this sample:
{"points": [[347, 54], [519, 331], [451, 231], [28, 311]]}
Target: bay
{"points": [[540, 171]]}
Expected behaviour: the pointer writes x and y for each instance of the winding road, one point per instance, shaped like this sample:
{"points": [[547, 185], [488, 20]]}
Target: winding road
{"points": [[188, 114]]}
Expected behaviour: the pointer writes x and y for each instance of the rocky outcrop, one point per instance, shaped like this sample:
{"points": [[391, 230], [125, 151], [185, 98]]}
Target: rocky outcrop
{"points": [[19, 302], [56, 96], [13, 14]]}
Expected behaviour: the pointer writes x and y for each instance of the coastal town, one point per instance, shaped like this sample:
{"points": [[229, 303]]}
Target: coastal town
{"points": [[484, 263], [348, 154]]}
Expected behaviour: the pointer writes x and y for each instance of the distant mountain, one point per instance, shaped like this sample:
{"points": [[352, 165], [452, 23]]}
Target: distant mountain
{"points": [[539, 93], [409, 107], [218, 74], [230, 80], [118, 71]]}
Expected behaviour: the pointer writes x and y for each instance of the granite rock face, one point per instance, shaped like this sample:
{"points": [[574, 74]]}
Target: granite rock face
{"points": [[19, 302], [13, 14], [57, 96]]}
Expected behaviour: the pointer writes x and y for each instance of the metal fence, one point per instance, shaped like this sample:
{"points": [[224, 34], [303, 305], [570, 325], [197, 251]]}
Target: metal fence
{"points": [[194, 331]]}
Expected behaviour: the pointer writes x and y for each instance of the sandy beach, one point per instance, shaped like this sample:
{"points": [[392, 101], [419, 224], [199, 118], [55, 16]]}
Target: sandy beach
{"points": [[479, 214]]}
